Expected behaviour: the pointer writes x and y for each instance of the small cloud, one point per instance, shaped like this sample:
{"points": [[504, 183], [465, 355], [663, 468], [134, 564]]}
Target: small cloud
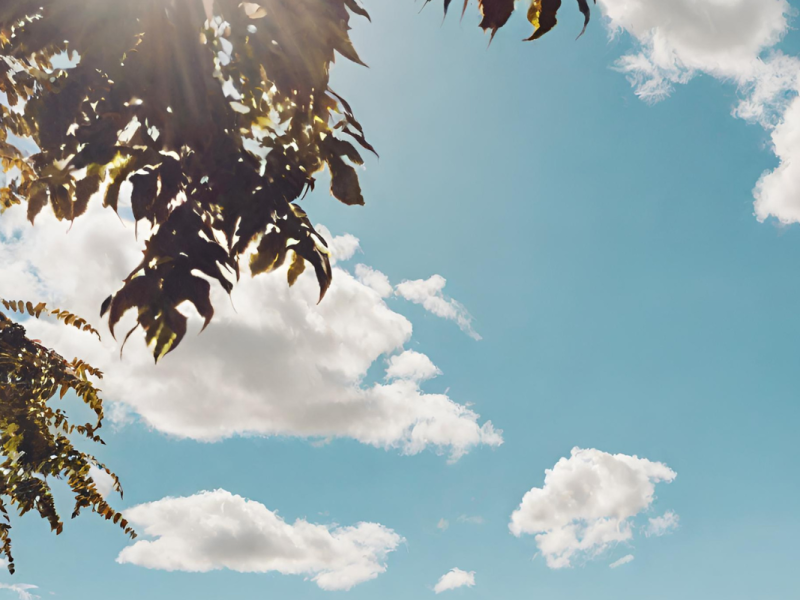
{"points": [[429, 293], [219, 530], [21, 590], [662, 525], [456, 578], [341, 247], [443, 524], [587, 504], [622, 561], [475, 520], [412, 366]]}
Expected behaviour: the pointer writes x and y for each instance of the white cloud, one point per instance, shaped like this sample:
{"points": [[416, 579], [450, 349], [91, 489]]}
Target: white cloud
{"points": [[411, 365], [454, 579], [622, 561], [731, 40], [778, 192], [375, 280], [21, 589], [587, 503], [443, 524], [102, 480], [219, 530], [662, 525], [341, 247], [429, 293], [474, 520], [276, 364], [682, 38]]}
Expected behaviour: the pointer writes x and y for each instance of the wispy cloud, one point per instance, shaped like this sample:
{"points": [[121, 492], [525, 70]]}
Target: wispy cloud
{"points": [[430, 294], [662, 525], [622, 561], [21, 589], [472, 520]]}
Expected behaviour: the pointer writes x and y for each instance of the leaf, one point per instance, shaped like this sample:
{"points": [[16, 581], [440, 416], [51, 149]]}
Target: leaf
{"points": [[37, 201], [182, 286], [145, 188], [269, 255], [138, 292], [542, 15], [118, 176], [166, 333], [339, 147], [344, 182], [583, 5], [84, 190], [345, 47], [357, 9], [296, 268], [61, 202], [495, 13]]}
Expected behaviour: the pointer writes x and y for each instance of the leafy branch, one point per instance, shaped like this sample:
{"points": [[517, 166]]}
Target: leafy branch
{"points": [[34, 436]]}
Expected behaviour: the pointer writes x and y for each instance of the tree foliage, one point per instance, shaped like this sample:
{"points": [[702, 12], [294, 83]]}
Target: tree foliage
{"points": [[215, 117], [215, 114], [541, 14], [35, 436]]}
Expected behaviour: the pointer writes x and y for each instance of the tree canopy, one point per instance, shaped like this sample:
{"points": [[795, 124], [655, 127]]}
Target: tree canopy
{"points": [[217, 114]]}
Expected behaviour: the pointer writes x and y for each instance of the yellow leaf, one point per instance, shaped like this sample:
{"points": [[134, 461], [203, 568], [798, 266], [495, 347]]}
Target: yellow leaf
{"points": [[296, 269]]}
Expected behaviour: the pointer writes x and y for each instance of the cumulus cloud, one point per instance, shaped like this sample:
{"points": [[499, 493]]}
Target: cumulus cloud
{"points": [[341, 247], [587, 504], [21, 589], [375, 280], [411, 365], [454, 579], [622, 561], [219, 530], [430, 294], [731, 40], [272, 362], [662, 525], [683, 38]]}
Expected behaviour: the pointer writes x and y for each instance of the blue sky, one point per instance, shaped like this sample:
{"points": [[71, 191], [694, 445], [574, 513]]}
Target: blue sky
{"points": [[628, 301]]}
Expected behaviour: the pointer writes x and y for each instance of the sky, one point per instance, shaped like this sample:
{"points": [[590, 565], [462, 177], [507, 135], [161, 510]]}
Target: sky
{"points": [[558, 359]]}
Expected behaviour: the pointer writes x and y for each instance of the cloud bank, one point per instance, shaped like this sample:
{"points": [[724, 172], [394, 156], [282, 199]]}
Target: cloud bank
{"points": [[587, 504], [219, 530], [272, 362]]}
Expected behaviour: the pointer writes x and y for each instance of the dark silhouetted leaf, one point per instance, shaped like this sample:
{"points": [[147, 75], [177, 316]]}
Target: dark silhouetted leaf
{"points": [[344, 182]]}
